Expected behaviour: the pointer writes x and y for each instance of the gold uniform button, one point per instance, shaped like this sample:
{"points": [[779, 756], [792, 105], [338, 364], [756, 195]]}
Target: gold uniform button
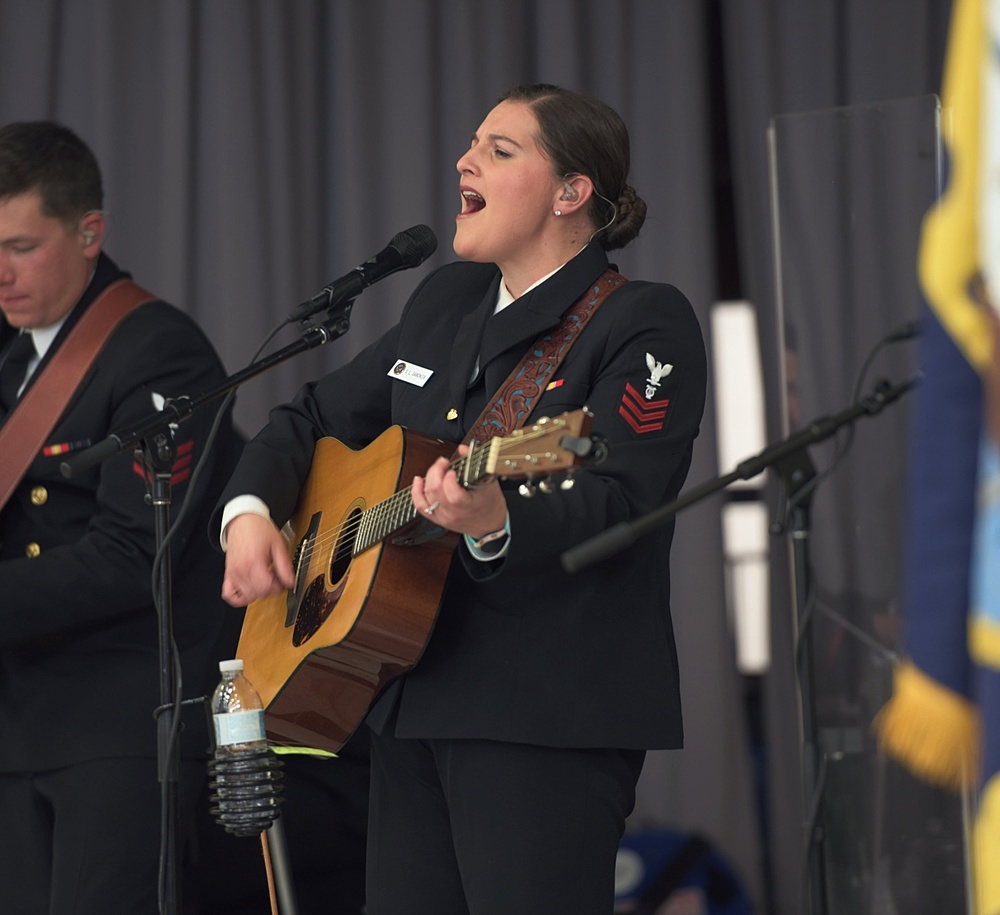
{"points": [[39, 495], [32, 551]]}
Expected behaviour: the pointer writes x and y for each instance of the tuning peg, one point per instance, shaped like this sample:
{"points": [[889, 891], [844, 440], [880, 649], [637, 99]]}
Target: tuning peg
{"points": [[527, 489], [546, 487], [567, 484]]}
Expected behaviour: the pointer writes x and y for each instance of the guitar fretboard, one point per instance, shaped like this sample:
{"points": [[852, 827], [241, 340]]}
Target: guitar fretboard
{"points": [[385, 518]]}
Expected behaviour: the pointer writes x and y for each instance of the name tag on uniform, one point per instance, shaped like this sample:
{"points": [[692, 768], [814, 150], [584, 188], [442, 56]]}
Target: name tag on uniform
{"points": [[410, 373]]}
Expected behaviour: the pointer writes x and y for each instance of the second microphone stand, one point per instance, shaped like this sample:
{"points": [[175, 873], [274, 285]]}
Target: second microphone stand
{"points": [[794, 467]]}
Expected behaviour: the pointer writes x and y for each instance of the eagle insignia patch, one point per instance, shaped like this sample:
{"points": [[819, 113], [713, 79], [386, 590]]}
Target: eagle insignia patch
{"points": [[657, 371]]}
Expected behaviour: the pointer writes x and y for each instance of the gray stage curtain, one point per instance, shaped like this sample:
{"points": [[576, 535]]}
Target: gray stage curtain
{"points": [[255, 149]]}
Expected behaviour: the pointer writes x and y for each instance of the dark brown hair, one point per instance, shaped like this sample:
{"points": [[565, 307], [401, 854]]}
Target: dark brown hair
{"points": [[51, 158], [584, 136]]}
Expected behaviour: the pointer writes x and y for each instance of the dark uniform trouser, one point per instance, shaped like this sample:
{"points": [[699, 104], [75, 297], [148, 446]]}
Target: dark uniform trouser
{"points": [[85, 839], [489, 828]]}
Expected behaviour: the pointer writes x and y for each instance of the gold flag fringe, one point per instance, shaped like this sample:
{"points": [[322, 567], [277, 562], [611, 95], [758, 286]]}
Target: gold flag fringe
{"points": [[931, 730]]}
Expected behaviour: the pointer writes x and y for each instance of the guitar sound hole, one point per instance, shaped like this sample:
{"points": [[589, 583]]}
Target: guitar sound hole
{"points": [[318, 602], [344, 551]]}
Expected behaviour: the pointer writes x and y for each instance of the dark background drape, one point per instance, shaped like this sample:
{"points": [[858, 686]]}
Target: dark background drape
{"points": [[255, 149]]}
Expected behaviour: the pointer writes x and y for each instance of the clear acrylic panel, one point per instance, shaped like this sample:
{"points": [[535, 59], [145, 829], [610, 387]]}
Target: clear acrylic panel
{"points": [[850, 187]]}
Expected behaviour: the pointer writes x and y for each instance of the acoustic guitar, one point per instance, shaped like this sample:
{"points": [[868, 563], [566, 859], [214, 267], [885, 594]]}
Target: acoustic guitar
{"points": [[370, 571]]}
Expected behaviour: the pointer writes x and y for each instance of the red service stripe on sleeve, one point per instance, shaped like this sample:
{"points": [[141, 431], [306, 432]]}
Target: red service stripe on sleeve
{"points": [[642, 400], [186, 447], [640, 414], [639, 427], [180, 477], [182, 462]]}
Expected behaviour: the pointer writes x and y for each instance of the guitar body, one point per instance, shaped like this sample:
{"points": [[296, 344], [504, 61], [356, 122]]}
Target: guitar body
{"points": [[321, 654]]}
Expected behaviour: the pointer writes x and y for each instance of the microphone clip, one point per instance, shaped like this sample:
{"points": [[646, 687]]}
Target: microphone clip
{"points": [[333, 319]]}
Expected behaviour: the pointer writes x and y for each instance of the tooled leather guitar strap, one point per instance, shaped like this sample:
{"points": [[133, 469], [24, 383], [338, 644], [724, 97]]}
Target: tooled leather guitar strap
{"points": [[36, 413], [515, 398], [513, 402]]}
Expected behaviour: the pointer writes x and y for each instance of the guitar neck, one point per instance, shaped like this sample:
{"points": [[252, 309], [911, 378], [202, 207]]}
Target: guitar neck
{"points": [[385, 518]]}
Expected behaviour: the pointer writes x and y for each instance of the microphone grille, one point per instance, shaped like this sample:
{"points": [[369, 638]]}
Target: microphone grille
{"points": [[415, 245]]}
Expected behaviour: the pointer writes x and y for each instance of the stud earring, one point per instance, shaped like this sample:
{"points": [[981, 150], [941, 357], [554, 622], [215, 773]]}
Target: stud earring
{"points": [[558, 212]]}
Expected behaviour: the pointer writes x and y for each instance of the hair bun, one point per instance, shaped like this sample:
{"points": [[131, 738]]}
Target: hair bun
{"points": [[630, 215], [626, 200]]}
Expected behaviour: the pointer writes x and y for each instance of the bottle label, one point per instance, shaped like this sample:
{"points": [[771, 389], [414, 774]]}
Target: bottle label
{"points": [[239, 727]]}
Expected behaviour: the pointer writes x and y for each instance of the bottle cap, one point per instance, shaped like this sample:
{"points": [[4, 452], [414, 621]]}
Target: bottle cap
{"points": [[234, 664]]}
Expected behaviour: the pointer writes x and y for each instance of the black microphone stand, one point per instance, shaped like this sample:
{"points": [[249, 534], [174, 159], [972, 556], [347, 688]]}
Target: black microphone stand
{"points": [[795, 469], [154, 438]]}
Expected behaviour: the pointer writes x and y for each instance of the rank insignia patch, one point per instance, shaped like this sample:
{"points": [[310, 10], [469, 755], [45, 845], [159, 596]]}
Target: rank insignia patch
{"points": [[642, 414]]}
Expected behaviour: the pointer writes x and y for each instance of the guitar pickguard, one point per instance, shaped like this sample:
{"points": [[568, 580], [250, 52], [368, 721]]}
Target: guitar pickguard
{"points": [[316, 605]]}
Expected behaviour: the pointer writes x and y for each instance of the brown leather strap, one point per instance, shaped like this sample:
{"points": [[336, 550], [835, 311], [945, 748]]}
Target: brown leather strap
{"points": [[513, 402], [36, 413]]}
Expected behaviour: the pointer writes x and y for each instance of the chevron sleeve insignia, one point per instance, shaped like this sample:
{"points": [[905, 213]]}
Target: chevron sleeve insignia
{"points": [[641, 414]]}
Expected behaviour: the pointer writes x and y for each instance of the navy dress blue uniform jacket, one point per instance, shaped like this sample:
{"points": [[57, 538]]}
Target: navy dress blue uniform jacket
{"points": [[79, 668], [523, 651]]}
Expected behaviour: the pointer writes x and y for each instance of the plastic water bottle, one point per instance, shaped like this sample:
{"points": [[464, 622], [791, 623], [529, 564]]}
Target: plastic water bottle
{"points": [[237, 711], [246, 773]]}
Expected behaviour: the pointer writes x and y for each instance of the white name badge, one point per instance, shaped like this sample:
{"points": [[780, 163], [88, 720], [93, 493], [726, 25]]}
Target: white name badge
{"points": [[410, 373]]}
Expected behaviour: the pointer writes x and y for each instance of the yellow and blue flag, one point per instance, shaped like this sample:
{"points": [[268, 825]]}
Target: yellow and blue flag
{"points": [[943, 720]]}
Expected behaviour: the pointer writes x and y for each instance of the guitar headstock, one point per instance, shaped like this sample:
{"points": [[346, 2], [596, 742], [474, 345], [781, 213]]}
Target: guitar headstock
{"points": [[553, 445]]}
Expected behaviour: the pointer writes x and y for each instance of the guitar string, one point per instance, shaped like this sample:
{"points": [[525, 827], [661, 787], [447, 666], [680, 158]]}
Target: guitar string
{"points": [[394, 509], [400, 503]]}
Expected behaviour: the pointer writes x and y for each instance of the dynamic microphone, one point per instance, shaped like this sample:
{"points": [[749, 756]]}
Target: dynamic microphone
{"points": [[407, 249]]}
